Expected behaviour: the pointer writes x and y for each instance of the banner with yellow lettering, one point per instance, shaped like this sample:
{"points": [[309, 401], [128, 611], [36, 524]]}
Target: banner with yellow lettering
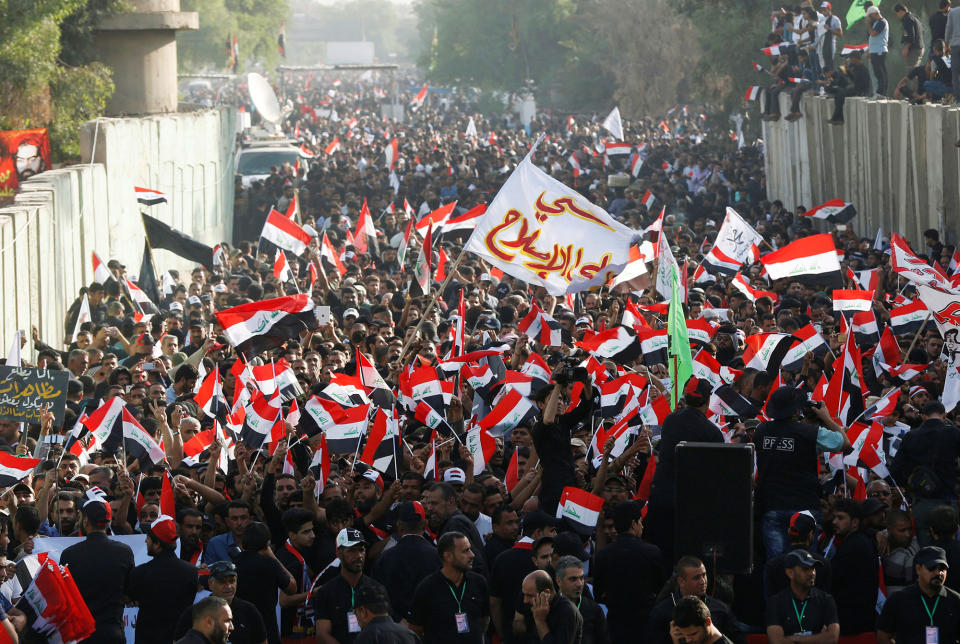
{"points": [[542, 232]]}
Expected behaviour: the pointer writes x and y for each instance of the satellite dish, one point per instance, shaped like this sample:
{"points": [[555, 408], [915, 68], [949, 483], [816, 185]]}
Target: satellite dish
{"points": [[263, 98]]}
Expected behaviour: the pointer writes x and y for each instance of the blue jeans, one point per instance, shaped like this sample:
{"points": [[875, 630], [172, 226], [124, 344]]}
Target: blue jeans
{"points": [[936, 89], [774, 525]]}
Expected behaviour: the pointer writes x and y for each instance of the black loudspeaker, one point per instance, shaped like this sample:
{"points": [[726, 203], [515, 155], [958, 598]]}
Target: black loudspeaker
{"points": [[714, 505]]}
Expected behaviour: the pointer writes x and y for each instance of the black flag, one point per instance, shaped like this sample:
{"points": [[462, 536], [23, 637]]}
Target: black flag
{"points": [[147, 280], [160, 235]]}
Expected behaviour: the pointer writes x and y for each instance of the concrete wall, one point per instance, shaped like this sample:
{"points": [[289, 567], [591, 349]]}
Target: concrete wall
{"points": [[61, 216], [889, 158]]}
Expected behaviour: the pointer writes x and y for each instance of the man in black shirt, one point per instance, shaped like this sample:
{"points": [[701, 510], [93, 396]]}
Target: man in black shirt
{"points": [[627, 575], [334, 603], [691, 624], [296, 622], [190, 523], [801, 531], [212, 623], [938, 21], [373, 613], [100, 568], [911, 39], [800, 609], [855, 82], [248, 626], [452, 606], [685, 424], [164, 586], [555, 619], [787, 452], [260, 576], [403, 566], [926, 611], [571, 583], [943, 528], [855, 569], [506, 530], [440, 504], [926, 464], [691, 580]]}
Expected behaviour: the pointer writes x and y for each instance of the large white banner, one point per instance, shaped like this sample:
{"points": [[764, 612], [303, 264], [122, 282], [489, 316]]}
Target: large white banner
{"points": [[542, 232]]}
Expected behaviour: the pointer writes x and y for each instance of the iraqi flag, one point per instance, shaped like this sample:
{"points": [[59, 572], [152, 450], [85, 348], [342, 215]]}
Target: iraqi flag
{"points": [[147, 307], [329, 253], [139, 444], [285, 233], [391, 152], [321, 413], [422, 270], [482, 446], [636, 165], [149, 197], [102, 423], [333, 146], [836, 211], [542, 328], [575, 164], [741, 284], [718, 262], [512, 409], [438, 219], [616, 343], [404, 244], [815, 255], [210, 398], [281, 270], [257, 326], [908, 318], [467, 221], [849, 49], [616, 149], [648, 200], [320, 465], [844, 397], [305, 152], [580, 508], [765, 351], [865, 328], [653, 345], [377, 388], [100, 271], [14, 469], [418, 100], [382, 446], [700, 332], [344, 437], [806, 340], [429, 417], [852, 300], [261, 415], [776, 50], [365, 229], [753, 92], [867, 279], [430, 470]]}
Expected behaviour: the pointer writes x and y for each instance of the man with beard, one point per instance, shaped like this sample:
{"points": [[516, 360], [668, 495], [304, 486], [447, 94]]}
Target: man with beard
{"points": [[248, 627], [855, 570], [926, 611], [190, 526], [506, 529], [571, 583], [295, 623], [368, 493], [275, 499], [334, 603], [452, 605], [691, 580], [800, 610], [212, 622], [440, 503]]}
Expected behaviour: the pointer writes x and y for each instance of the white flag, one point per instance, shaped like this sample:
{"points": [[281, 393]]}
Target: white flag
{"points": [[471, 129], [82, 316], [951, 385], [542, 232], [944, 306], [613, 125], [13, 356], [736, 237], [666, 266]]}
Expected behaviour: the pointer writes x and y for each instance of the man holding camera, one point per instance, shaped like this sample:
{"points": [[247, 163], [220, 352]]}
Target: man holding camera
{"points": [[787, 450], [551, 436]]}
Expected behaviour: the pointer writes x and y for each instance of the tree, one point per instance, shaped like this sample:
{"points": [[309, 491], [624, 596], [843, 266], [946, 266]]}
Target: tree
{"points": [[256, 24], [49, 78]]}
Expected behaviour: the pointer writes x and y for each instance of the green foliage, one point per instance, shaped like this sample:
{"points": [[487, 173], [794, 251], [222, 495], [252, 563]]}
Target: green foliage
{"points": [[256, 23], [48, 78]]}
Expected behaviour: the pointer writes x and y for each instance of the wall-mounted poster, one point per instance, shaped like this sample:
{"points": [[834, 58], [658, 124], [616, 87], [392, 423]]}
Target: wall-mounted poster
{"points": [[23, 153]]}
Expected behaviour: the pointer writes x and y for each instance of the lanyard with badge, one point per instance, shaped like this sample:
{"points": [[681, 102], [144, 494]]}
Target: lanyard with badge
{"points": [[800, 613], [463, 625], [304, 619], [932, 632], [353, 626]]}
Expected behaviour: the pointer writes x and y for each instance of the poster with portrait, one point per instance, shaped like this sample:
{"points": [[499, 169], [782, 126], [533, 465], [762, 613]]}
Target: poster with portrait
{"points": [[23, 153]]}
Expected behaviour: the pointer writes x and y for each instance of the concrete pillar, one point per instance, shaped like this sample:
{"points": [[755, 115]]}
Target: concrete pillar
{"points": [[140, 48]]}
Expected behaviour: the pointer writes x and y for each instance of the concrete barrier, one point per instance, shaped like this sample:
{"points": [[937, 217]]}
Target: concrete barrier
{"points": [[890, 159], [60, 216]]}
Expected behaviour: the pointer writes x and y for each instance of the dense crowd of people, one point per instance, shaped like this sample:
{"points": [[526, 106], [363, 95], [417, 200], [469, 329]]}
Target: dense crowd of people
{"points": [[806, 42], [253, 542]]}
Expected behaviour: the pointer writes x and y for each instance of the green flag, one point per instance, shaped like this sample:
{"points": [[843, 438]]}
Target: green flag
{"points": [[678, 352], [857, 11]]}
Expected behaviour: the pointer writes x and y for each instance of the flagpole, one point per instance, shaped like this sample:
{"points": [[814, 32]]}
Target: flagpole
{"points": [[916, 336], [146, 238], [426, 311]]}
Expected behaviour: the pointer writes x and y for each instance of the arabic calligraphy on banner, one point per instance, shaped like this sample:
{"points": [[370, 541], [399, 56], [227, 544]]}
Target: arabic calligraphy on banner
{"points": [[541, 231], [25, 391]]}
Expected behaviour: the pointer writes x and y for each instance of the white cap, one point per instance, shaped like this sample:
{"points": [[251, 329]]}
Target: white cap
{"points": [[220, 288], [175, 306], [349, 537], [872, 10], [454, 475], [194, 300], [352, 312], [485, 277]]}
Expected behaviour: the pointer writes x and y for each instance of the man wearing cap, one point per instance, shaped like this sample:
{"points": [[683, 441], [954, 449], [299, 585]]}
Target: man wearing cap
{"points": [[373, 613], [691, 580], [926, 611], [926, 464], [401, 567], [685, 424], [572, 584], [100, 567], [787, 452], [452, 605], [801, 612], [248, 626], [855, 568], [803, 527], [164, 586], [334, 603]]}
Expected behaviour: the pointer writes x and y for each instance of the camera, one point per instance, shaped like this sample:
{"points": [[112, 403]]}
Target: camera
{"points": [[808, 408], [569, 372]]}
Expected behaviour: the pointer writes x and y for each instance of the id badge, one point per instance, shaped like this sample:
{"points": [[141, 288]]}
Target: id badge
{"points": [[933, 635], [353, 626], [463, 626]]}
